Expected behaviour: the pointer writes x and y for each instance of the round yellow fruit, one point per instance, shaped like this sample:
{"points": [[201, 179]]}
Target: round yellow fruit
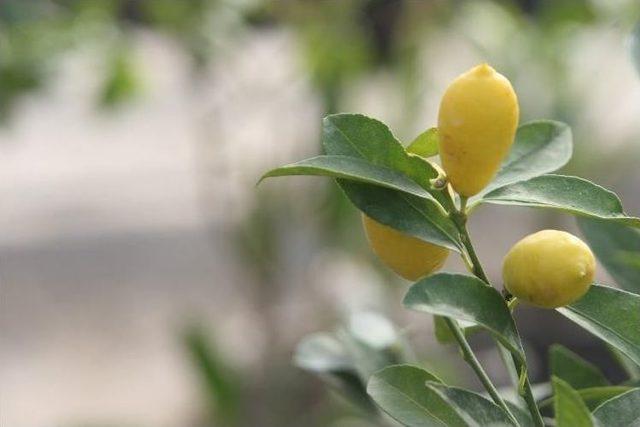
{"points": [[408, 256], [477, 122], [549, 269]]}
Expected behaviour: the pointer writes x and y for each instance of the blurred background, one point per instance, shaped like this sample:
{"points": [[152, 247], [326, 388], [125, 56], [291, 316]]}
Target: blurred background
{"points": [[146, 280]]}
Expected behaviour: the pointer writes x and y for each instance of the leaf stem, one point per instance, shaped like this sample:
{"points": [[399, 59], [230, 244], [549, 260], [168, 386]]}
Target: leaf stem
{"points": [[472, 360]]}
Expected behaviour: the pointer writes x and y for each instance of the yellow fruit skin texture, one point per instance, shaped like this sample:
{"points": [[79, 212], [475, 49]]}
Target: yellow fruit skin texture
{"points": [[477, 122], [549, 269], [408, 256]]}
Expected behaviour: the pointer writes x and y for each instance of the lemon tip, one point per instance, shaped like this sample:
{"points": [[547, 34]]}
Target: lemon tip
{"points": [[483, 69]]}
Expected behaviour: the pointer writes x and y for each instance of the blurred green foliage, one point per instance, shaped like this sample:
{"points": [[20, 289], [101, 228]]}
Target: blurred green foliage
{"points": [[34, 33], [635, 46], [221, 386], [340, 41], [122, 81]]}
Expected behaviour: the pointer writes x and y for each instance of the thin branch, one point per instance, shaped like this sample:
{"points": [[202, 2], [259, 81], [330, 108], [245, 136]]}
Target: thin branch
{"points": [[472, 360]]}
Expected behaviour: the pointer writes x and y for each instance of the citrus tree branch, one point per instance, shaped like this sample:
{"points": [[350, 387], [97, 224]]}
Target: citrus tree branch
{"points": [[470, 357], [459, 218]]}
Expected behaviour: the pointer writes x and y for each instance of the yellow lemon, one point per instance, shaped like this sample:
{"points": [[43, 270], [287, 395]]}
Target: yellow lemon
{"points": [[408, 256], [549, 269], [477, 122]]}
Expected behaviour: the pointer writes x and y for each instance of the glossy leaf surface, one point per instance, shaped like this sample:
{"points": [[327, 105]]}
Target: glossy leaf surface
{"points": [[614, 245], [402, 393], [466, 298], [540, 147], [573, 369], [570, 410], [610, 314], [566, 193], [622, 410]]}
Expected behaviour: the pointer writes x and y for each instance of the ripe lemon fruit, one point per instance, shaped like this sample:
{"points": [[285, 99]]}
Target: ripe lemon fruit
{"points": [[408, 256], [549, 269], [477, 122]]}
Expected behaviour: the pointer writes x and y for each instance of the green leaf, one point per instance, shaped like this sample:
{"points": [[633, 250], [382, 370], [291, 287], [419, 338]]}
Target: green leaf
{"points": [[573, 369], [425, 144], [444, 334], [612, 242], [466, 298], [566, 193], [622, 410], [570, 409], [352, 168], [540, 147], [610, 314], [473, 408], [402, 393], [367, 343], [594, 396], [411, 215], [360, 136], [324, 355], [372, 342]]}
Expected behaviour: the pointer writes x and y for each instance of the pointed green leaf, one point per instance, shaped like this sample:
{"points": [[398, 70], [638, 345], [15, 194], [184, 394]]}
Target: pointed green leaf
{"points": [[566, 193], [623, 410], [612, 243], [573, 369], [540, 147], [425, 144], [610, 314], [412, 215], [351, 168], [402, 393], [466, 298], [569, 407], [474, 409], [360, 136]]}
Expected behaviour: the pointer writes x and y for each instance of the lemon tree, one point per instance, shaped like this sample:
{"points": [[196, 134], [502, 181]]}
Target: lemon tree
{"points": [[415, 214]]}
